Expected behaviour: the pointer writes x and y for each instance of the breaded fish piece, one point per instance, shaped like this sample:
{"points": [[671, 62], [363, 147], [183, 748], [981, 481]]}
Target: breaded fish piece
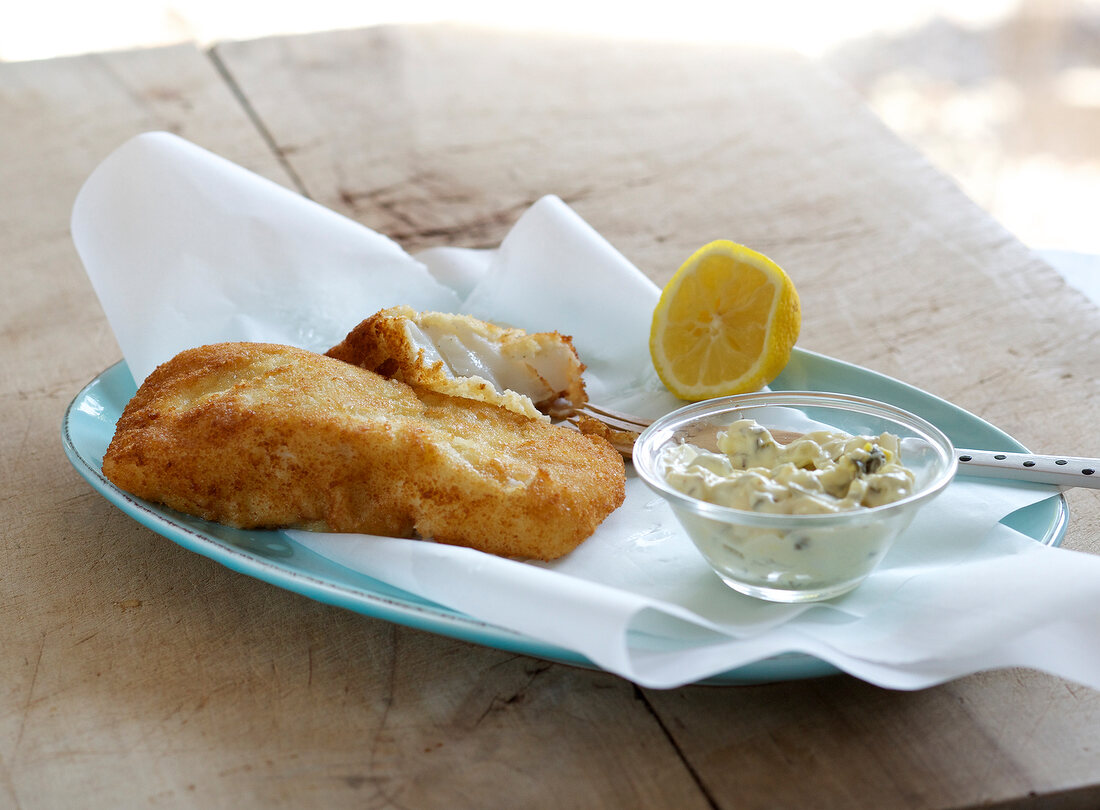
{"points": [[530, 373], [265, 436]]}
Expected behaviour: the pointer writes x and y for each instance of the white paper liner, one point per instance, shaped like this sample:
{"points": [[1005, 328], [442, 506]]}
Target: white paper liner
{"points": [[184, 248]]}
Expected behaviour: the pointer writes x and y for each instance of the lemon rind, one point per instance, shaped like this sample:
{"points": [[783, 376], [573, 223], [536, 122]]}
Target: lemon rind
{"points": [[768, 365]]}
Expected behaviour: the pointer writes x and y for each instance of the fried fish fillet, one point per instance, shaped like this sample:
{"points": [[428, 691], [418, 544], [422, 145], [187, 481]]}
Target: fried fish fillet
{"points": [[265, 436], [529, 373]]}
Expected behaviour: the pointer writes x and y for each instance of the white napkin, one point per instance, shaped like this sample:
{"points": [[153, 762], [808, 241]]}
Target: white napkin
{"points": [[184, 248]]}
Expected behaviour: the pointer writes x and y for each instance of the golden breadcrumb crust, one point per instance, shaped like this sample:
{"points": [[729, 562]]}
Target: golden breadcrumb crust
{"points": [[265, 436], [621, 440], [382, 343]]}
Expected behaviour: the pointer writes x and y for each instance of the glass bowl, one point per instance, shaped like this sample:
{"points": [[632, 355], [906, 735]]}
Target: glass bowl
{"points": [[800, 557]]}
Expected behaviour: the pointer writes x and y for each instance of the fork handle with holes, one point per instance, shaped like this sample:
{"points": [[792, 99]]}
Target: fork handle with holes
{"points": [[1064, 471]]}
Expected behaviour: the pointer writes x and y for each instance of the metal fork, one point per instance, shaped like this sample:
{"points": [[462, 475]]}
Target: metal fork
{"points": [[1063, 471], [620, 429]]}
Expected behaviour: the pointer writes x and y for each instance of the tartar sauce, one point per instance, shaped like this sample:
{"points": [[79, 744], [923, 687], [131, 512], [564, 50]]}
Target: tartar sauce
{"points": [[819, 472]]}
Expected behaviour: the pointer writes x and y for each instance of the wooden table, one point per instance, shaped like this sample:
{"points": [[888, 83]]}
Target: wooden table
{"points": [[135, 673]]}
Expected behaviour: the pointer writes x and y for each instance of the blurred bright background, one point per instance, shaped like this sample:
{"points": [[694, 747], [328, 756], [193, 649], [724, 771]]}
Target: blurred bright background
{"points": [[1004, 95]]}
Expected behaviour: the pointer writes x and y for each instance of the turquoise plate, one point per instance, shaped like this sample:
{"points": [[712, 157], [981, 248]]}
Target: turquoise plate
{"points": [[273, 557]]}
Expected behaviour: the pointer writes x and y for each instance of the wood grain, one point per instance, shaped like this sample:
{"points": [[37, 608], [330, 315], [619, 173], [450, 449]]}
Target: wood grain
{"points": [[135, 673], [443, 136], [440, 135]]}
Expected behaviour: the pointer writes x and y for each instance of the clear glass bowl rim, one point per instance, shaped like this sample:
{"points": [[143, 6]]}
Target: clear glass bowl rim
{"points": [[647, 447]]}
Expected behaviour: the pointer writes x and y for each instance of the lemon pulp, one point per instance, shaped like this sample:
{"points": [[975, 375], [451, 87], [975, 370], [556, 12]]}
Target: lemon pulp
{"points": [[725, 323]]}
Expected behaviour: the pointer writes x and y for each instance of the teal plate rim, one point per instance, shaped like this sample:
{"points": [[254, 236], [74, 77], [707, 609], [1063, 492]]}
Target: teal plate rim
{"points": [[273, 557]]}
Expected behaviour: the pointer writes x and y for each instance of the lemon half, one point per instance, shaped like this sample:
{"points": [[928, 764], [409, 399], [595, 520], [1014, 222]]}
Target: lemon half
{"points": [[725, 323]]}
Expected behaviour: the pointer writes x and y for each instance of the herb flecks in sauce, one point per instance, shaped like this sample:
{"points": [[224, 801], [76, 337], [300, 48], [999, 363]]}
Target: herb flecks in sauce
{"points": [[819, 472]]}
